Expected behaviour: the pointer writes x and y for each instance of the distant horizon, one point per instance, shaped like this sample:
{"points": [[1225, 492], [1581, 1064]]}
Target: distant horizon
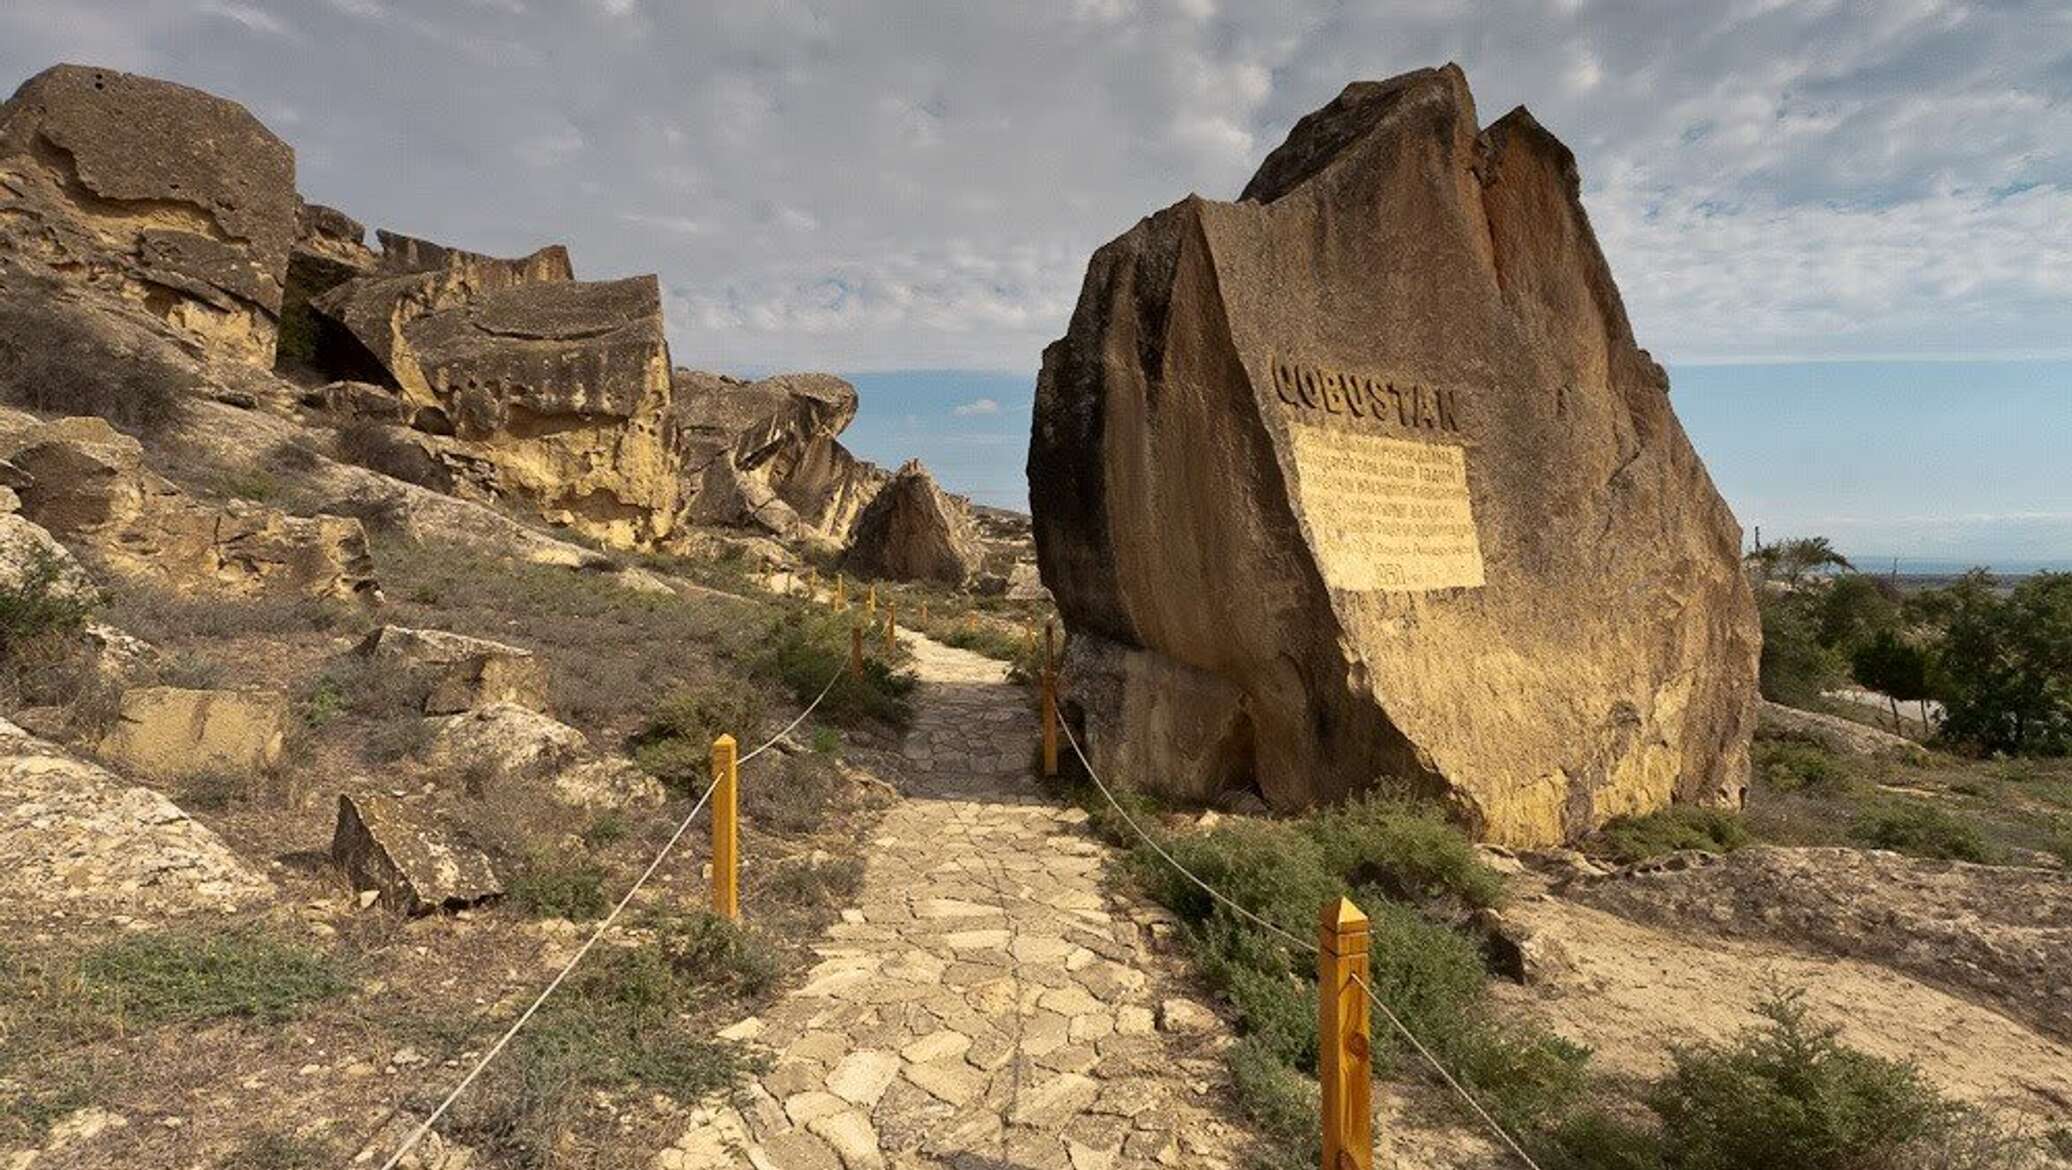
{"points": [[1871, 454]]}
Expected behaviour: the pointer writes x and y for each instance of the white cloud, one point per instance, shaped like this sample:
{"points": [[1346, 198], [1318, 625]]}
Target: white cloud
{"points": [[829, 185], [975, 407]]}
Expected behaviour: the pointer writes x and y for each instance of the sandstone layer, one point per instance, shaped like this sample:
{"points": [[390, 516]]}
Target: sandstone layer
{"points": [[170, 198], [1362, 481], [765, 455]]}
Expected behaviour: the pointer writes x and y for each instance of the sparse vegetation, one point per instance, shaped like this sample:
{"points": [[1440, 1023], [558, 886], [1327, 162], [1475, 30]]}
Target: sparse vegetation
{"points": [[1923, 830], [675, 743], [807, 650], [55, 359], [189, 976], [550, 888], [1630, 839], [42, 658]]}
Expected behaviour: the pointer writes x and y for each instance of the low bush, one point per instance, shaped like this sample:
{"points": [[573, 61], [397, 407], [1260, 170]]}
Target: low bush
{"points": [[54, 359], [558, 889], [792, 796], [808, 883], [186, 976], [1794, 765], [808, 650], [42, 658], [279, 1151], [675, 743], [1681, 826], [1922, 830], [1789, 1096]]}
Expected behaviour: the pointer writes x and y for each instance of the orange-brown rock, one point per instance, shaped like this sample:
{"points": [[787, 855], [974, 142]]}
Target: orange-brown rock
{"points": [[915, 531], [765, 454], [1362, 482], [172, 199]]}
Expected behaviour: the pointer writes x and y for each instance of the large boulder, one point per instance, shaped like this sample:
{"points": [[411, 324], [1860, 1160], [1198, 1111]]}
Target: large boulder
{"points": [[765, 455], [410, 866], [1842, 736], [915, 531], [76, 838], [87, 484], [176, 732], [461, 673], [175, 200], [1362, 481], [556, 391]]}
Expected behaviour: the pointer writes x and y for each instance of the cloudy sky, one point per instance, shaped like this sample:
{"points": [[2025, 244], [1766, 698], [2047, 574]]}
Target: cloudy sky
{"points": [[916, 185]]}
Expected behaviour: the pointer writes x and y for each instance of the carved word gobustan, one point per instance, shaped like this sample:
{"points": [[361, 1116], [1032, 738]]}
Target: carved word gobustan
{"points": [[1409, 405]]}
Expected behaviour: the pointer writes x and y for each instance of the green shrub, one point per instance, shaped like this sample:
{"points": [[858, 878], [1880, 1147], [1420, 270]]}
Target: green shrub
{"points": [[1407, 849], [790, 795], [675, 743], [1789, 1096], [187, 977], [1922, 830], [1680, 826], [40, 604], [1795, 765], [1282, 1103], [278, 1151], [1795, 668], [806, 648], [2001, 667], [609, 828], [554, 889]]}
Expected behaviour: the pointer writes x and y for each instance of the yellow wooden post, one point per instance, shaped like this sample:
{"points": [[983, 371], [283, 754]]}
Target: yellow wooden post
{"points": [[812, 584], [870, 604], [1344, 1056], [924, 611], [841, 601], [726, 830], [856, 649], [891, 627], [970, 623]]}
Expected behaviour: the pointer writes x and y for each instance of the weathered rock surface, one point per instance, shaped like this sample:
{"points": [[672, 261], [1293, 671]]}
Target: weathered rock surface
{"points": [[503, 741], [559, 388], [1836, 734], [75, 837], [2000, 932], [915, 531], [175, 731], [414, 867], [87, 484], [27, 550], [1363, 480], [172, 199], [765, 455], [462, 673]]}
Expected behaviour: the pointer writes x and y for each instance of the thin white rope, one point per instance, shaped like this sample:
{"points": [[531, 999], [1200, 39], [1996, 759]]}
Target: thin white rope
{"points": [[417, 1135], [1464, 1095], [1297, 942]]}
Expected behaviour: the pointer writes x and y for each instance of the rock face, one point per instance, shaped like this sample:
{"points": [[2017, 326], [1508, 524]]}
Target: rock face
{"points": [[414, 867], [1362, 480], [914, 531], [172, 199], [462, 673], [765, 455], [1836, 734], [2000, 932], [87, 484], [74, 837], [173, 731], [558, 390]]}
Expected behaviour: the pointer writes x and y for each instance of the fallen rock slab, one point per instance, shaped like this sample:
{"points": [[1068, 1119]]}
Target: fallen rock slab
{"points": [[464, 673], [915, 531], [1841, 736], [175, 731], [75, 837], [502, 741], [414, 868]]}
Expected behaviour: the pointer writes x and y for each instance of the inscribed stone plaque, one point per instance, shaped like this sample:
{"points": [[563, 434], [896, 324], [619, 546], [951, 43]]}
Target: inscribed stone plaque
{"points": [[1386, 514]]}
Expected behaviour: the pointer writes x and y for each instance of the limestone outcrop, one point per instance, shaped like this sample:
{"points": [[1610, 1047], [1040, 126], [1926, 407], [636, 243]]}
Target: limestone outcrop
{"points": [[557, 390], [412, 867], [86, 483], [176, 731], [173, 200], [77, 840], [1836, 734], [1362, 481], [461, 673], [765, 454], [915, 531]]}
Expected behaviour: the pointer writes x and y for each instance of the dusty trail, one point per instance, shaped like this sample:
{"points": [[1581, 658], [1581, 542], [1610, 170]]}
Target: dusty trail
{"points": [[986, 1004]]}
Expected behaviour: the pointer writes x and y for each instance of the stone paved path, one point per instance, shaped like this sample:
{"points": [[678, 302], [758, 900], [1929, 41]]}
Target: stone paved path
{"points": [[986, 1005]]}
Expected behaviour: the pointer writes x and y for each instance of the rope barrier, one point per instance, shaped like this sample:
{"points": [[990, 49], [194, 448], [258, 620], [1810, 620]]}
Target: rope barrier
{"points": [[510, 1033], [1299, 943]]}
